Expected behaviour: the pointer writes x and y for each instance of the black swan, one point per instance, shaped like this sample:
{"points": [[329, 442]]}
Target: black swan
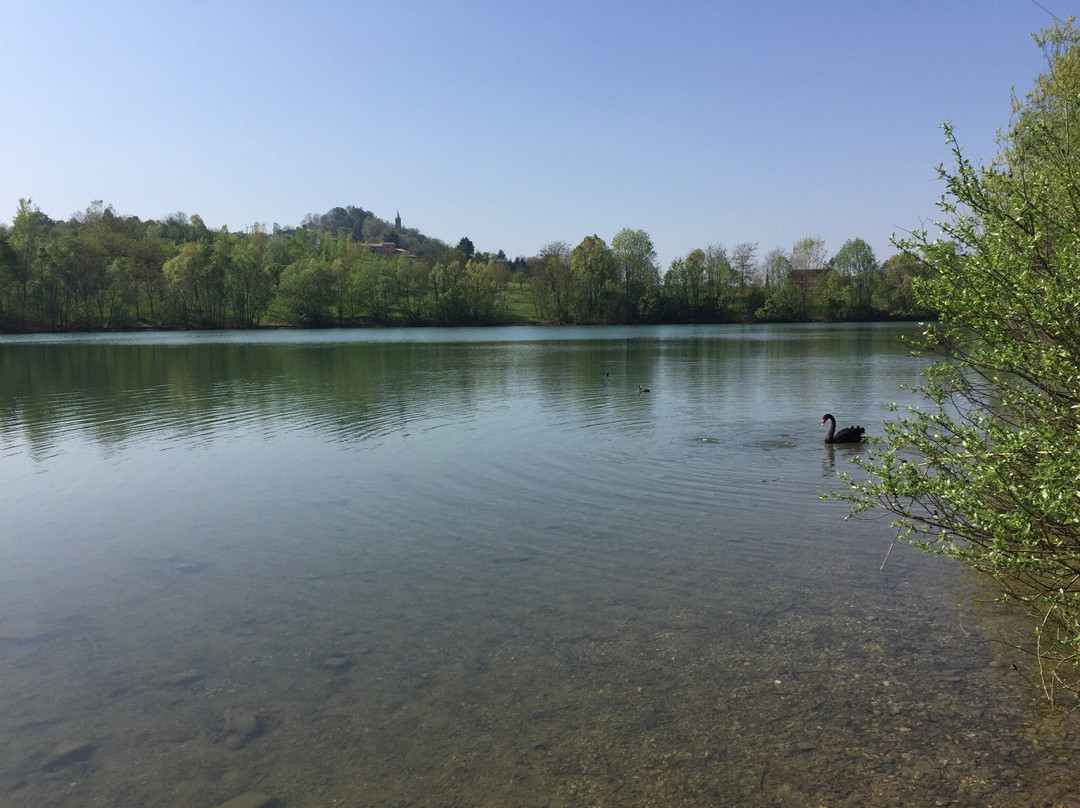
{"points": [[849, 434]]}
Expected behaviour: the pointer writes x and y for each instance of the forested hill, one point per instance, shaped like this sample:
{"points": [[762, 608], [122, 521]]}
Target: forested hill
{"points": [[363, 225], [100, 270]]}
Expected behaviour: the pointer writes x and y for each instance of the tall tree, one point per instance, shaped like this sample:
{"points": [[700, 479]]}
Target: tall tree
{"points": [[685, 283], [856, 262], [894, 294], [553, 281], [187, 278], [380, 289], [743, 260], [466, 247], [28, 238], [722, 282], [150, 254], [775, 265], [414, 282], [808, 253], [635, 258], [248, 286], [783, 298], [447, 289], [594, 270], [481, 290], [307, 292]]}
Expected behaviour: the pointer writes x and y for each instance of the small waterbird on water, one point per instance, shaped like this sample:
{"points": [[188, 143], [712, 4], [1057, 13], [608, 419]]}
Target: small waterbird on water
{"points": [[641, 389]]}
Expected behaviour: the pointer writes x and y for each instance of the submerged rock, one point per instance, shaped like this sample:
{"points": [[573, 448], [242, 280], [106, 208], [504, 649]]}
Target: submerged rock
{"points": [[67, 754], [183, 678], [21, 631], [179, 564], [336, 662], [240, 727], [251, 799], [234, 741]]}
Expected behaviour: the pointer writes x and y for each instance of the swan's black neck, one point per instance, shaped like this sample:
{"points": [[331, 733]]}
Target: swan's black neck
{"points": [[832, 427]]}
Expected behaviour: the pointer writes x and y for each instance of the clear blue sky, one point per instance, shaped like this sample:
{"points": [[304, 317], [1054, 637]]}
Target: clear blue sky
{"points": [[512, 123]]}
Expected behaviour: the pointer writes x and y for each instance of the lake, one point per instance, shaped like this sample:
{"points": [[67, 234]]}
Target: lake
{"points": [[479, 567]]}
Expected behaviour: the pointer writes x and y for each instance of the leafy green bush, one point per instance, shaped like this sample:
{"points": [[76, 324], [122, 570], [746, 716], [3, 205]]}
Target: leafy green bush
{"points": [[987, 471]]}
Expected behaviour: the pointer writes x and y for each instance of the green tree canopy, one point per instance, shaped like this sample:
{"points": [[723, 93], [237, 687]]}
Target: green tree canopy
{"points": [[856, 262], [101, 270], [635, 259], [594, 270]]}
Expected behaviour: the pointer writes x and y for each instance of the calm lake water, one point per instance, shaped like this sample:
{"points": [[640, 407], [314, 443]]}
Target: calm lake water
{"points": [[479, 568]]}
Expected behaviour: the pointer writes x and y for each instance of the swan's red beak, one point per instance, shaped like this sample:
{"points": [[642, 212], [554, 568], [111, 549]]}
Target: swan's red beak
{"points": [[823, 422]]}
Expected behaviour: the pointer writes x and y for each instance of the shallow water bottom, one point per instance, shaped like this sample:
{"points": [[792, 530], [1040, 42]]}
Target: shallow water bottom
{"points": [[458, 678]]}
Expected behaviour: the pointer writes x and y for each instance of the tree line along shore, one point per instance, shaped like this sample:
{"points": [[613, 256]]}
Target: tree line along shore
{"points": [[100, 270]]}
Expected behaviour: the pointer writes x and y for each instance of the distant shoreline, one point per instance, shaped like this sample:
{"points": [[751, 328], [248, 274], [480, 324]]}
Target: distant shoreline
{"points": [[384, 326]]}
